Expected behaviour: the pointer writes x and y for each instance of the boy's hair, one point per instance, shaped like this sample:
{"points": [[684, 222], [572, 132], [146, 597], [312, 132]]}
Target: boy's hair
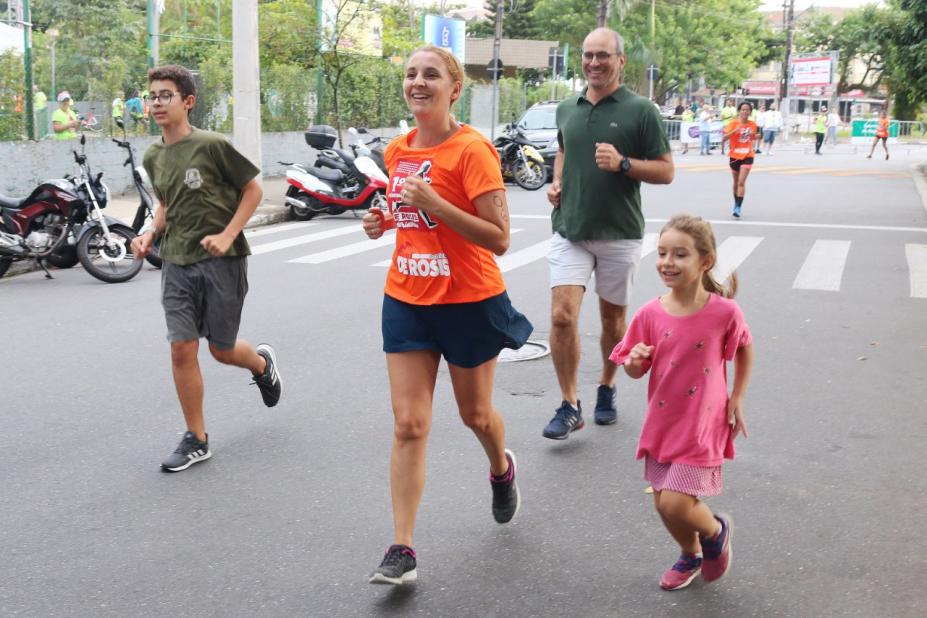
{"points": [[181, 76], [451, 63], [704, 238]]}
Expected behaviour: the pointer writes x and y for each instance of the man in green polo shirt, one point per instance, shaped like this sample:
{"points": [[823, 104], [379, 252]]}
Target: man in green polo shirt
{"points": [[611, 140]]}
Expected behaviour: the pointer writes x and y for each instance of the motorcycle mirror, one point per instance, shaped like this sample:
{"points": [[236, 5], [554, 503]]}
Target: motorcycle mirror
{"points": [[83, 139]]}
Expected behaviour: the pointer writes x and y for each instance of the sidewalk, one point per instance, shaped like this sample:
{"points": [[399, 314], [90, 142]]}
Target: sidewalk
{"points": [[123, 208]]}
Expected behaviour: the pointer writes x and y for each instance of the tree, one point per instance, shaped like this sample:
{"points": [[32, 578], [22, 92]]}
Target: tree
{"points": [[906, 41], [518, 21]]}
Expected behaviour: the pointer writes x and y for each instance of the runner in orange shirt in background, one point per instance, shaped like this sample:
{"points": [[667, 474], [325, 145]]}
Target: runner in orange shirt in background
{"points": [[444, 294], [881, 134], [742, 133]]}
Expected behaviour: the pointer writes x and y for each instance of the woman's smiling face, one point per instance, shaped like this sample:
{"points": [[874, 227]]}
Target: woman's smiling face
{"points": [[428, 87]]}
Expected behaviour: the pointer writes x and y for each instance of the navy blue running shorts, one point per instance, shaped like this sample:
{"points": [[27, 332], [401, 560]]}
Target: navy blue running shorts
{"points": [[466, 334]]}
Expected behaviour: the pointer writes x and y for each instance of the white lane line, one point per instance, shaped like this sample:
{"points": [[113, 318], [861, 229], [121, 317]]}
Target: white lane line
{"points": [[741, 222], [273, 229], [823, 266], [917, 267], [386, 263], [732, 252], [649, 245], [302, 240], [524, 256], [346, 250]]}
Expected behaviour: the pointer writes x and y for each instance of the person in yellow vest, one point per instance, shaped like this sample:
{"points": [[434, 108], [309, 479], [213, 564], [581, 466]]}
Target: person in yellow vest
{"points": [[727, 115], [820, 126], [687, 116], [64, 120]]}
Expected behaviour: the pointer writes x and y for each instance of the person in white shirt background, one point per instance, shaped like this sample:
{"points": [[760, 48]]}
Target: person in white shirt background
{"points": [[772, 124], [833, 122]]}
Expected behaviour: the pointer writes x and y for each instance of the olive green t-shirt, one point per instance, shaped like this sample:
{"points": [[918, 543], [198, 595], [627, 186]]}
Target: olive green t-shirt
{"points": [[596, 204], [199, 180]]}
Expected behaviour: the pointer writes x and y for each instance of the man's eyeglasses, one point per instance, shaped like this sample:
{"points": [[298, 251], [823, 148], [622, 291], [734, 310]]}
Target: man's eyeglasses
{"points": [[600, 56], [162, 97]]}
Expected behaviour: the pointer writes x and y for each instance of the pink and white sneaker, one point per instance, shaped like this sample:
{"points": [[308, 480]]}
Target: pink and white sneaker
{"points": [[682, 573], [717, 550]]}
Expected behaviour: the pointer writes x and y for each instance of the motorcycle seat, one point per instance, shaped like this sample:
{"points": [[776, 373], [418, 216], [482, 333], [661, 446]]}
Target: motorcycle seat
{"points": [[14, 203], [346, 156], [324, 173]]}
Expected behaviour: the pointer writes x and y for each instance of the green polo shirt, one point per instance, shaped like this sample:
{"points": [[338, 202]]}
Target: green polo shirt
{"points": [[595, 204], [199, 179]]}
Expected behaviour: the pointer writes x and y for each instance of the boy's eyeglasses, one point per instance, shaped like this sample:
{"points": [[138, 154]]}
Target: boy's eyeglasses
{"points": [[600, 56], [162, 97]]}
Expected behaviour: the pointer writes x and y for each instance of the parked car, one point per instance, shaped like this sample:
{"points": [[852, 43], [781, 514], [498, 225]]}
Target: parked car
{"points": [[539, 125]]}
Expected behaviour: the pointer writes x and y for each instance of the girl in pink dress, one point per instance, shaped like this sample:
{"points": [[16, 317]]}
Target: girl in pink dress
{"points": [[685, 338]]}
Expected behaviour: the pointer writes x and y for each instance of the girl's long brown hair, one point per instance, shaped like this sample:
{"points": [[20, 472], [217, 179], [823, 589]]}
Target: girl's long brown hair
{"points": [[704, 238]]}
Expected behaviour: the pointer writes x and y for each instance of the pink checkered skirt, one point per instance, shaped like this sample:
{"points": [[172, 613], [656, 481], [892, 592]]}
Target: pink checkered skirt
{"points": [[691, 480]]}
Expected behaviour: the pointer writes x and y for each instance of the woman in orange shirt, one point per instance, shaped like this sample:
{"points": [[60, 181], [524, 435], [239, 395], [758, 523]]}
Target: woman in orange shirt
{"points": [[444, 292], [881, 134], [742, 132]]}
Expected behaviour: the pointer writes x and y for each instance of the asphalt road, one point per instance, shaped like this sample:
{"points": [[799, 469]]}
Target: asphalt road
{"points": [[293, 510]]}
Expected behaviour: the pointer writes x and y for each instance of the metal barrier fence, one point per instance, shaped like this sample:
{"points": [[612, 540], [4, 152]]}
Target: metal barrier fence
{"points": [[671, 128]]}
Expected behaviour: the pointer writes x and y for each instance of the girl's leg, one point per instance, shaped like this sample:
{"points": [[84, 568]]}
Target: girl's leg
{"points": [[685, 517], [741, 188], [412, 377], [473, 391]]}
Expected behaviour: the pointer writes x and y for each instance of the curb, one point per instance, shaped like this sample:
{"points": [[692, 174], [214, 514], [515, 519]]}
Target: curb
{"points": [[268, 214], [919, 171]]}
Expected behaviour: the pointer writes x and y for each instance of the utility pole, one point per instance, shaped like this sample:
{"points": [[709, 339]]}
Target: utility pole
{"points": [[785, 105], [246, 81], [154, 27], [602, 19], [496, 45], [27, 60]]}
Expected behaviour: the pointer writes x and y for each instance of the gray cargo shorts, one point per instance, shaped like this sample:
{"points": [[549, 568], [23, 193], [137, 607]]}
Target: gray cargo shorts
{"points": [[204, 299]]}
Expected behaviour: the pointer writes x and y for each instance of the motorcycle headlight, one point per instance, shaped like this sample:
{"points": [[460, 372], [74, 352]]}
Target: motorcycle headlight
{"points": [[101, 192]]}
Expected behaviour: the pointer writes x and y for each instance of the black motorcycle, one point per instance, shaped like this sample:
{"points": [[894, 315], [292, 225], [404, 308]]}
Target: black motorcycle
{"points": [[144, 215], [520, 159]]}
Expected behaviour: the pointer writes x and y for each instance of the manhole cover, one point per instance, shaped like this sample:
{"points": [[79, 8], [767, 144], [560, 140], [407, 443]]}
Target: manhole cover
{"points": [[530, 351]]}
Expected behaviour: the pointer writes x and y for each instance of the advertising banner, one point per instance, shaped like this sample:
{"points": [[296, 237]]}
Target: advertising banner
{"points": [[863, 131], [812, 71], [446, 33], [690, 133]]}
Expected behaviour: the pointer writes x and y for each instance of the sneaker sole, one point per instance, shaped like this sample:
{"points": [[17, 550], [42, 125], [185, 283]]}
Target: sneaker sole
{"points": [[273, 358], [517, 492], [406, 578], [610, 421], [729, 543], [188, 464], [683, 584], [566, 435]]}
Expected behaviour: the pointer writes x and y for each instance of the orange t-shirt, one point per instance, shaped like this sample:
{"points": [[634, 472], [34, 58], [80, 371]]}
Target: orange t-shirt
{"points": [[882, 130], [742, 140], [432, 264]]}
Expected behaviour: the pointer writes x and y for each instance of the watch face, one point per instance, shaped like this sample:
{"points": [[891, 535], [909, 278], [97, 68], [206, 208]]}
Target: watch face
{"points": [[625, 164]]}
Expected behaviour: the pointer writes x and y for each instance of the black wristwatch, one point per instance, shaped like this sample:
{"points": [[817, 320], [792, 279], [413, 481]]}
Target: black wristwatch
{"points": [[625, 166]]}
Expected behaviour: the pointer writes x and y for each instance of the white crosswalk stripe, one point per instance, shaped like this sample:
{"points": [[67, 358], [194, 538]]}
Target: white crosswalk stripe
{"points": [[649, 245], [511, 261], [823, 267], [346, 250], [286, 243], [917, 267], [732, 252], [276, 229]]}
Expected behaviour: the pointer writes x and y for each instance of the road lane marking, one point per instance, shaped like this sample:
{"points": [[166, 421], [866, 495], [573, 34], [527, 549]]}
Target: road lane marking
{"points": [[344, 251], [524, 256], [823, 266], [273, 229], [649, 245], [917, 269], [386, 263], [732, 252], [302, 240]]}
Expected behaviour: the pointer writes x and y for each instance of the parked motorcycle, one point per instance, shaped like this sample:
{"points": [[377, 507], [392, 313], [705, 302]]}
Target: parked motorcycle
{"points": [[144, 215], [39, 225], [520, 159], [369, 145], [339, 181]]}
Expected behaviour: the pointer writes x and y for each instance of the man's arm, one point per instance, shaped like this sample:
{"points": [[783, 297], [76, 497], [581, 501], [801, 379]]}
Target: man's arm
{"points": [[251, 196], [659, 171]]}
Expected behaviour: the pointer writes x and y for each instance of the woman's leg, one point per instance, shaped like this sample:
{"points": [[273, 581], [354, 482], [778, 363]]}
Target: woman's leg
{"points": [[885, 146], [741, 181], [685, 517], [735, 177], [412, 377], [473, 391]]}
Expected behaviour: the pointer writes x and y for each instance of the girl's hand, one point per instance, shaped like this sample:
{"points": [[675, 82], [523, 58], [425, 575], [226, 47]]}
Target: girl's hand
{"points": [[735, 416], [419, 194], [640, 352]]}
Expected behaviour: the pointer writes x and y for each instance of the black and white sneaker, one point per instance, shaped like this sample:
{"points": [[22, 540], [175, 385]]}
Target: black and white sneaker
{"points": [[398, 567], [505, 496], [188, 452], [269, 382]]}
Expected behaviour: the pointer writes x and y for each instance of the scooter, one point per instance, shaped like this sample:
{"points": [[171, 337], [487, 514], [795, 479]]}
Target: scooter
{"points": [[144, 215], [338, 182]]}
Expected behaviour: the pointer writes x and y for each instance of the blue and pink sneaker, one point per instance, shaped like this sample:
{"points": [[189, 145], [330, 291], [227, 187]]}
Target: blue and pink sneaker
{"points": [[682, 573], [717, 550]]}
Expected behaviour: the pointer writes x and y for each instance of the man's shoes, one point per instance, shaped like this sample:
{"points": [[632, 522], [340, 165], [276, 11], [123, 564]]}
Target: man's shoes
{"points": [[736, 212], [188, 452], [682, 573], [269, 382], [398, 567], [566, 420], [505, 497], [605, 411], [717, 550]]}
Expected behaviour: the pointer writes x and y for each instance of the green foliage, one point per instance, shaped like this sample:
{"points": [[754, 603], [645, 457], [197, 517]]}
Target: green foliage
{"points": [[906, 41], [519, 21], [12, 123]]}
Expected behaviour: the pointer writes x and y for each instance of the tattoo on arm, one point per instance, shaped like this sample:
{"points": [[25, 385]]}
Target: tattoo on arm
{"points": [[500, 204]]}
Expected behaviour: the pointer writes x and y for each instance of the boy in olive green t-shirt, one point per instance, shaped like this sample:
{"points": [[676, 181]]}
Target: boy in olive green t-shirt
{"points": [[207, 192]]}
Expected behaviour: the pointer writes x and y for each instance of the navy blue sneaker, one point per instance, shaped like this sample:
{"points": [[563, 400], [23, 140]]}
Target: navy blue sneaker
{"points": [[605, 411], [565, 421]]}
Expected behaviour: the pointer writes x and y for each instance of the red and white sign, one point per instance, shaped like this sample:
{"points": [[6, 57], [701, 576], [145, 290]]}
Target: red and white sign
{"points": [[761, 87], [811, 71]]}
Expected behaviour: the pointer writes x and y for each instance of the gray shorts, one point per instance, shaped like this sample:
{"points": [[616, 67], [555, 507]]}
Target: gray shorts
{"points": [[204, 299], [613, 261]]}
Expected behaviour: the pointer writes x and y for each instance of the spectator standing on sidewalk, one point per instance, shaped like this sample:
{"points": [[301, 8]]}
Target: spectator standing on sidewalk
{"points": [[820, 127], [704, 130], [64, 119], [207, 192], [728, 113], [611, 139], [833, 123], [773, 124]]}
